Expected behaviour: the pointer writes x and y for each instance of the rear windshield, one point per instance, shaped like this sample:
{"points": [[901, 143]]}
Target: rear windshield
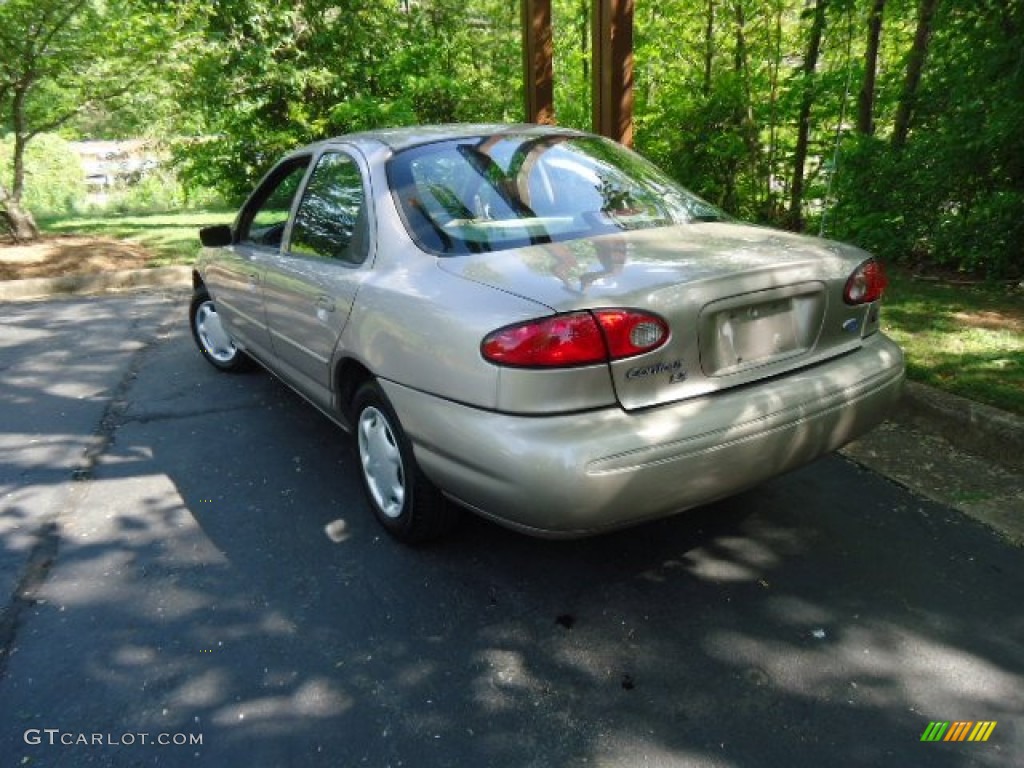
{"points": [[490, 193]]}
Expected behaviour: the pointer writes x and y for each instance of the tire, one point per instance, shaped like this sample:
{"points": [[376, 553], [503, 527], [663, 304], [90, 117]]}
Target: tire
{"points": [[403, 500], [213, 340]]}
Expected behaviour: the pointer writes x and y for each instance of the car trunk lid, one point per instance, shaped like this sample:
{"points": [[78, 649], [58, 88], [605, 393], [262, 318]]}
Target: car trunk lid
{"points": [[742, 302]]}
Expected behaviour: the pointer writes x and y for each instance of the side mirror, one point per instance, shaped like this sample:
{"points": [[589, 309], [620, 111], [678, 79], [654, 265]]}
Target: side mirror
{"points": [[217, 236]]}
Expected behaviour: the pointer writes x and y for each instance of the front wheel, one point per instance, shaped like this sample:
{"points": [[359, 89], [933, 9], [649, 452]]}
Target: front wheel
{"points": [[404, 501], [211, 337]]}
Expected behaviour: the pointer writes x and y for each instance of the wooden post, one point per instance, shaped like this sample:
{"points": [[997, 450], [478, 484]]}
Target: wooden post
{"points": [[537, 62], [612, 32]]}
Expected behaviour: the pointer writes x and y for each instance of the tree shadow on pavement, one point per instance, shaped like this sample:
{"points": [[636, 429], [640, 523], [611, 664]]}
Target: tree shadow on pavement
{"points": [[223, 577]]}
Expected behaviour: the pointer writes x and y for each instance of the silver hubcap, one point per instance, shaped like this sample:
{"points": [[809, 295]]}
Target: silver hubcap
{"points": [[214, 338], [382, 462]]}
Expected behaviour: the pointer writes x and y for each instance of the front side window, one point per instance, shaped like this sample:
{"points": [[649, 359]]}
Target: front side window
{"points": [[331, 220], [265, 217], [494, 192]]}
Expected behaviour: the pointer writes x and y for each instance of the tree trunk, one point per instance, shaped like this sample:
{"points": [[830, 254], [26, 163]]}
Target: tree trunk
{"points": [[583, 29], [743, 116], [915, 66], [709, 47], [866, 98], [772, 209], [796, 200], [740, 50], [15, 219], [19, 221]]}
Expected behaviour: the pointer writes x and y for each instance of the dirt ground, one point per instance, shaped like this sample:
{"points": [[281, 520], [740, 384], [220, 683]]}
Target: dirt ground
{"points": [[59, 255]]}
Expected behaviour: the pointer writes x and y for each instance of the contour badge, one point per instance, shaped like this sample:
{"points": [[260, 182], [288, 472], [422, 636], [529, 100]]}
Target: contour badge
{"points": [[674, 369]]}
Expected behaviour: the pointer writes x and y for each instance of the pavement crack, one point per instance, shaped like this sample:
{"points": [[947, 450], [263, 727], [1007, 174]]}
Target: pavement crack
{"points": [[157, 416], [46, 548], [40, 560]]}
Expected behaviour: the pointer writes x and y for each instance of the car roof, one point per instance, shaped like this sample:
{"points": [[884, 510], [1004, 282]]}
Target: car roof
{"points": [[397, 139]]}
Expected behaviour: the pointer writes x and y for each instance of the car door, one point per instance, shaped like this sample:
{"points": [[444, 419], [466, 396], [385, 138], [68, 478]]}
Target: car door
{"points": [[236, 277], [309, 287]]}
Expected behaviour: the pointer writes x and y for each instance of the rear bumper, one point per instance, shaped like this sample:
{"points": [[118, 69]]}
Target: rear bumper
{"points": [[579, 474]]}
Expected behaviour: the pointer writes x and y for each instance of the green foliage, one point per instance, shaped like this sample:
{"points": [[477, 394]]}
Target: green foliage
{"points": [[719, 91], [706, 141], [954, 195], [54, 179], [720, 87], [64, 57], [269, 77], [61, 58], [153, 192]]}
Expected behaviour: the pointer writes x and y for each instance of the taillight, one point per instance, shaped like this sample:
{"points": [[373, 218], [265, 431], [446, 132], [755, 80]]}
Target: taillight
{"points": [[562, 340], [630, 332], [867, 283], [575, 338]]}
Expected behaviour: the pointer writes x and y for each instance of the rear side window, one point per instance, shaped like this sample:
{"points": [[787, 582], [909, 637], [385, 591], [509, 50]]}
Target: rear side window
{"points": [[331, 221]]}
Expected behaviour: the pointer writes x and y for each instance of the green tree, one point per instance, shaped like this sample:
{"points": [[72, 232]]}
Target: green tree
{"points": [[269, 76], [744, 101], [54, 178], [59, 58], [915, 67], [950, 192], [866, 97], [807, 98]]}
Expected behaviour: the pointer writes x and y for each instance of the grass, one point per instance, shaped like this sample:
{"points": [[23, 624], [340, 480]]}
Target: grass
{"points": [[965, 339], [968, 340], [173, 238]]}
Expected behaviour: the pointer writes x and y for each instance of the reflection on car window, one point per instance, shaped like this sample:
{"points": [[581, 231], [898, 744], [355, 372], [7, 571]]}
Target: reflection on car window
{"points": [[331, 220], [264, 221], [504, 191]]}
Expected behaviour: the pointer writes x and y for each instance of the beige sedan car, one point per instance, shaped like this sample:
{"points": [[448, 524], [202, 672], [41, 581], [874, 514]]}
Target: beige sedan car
{"points": [[538, 325]]}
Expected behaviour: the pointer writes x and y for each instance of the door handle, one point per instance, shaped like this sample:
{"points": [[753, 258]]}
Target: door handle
{"points": [[325, 303]]}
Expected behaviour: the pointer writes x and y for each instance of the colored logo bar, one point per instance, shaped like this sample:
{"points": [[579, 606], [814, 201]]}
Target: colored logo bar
{"points": [[958, 730]]}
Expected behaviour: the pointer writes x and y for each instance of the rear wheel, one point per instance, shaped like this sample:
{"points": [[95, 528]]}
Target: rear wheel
{"points": [[211, 337], [404, 501]]}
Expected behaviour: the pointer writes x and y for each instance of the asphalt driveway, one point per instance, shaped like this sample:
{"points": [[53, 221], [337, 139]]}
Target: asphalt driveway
{"points": [[186, 558]]}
